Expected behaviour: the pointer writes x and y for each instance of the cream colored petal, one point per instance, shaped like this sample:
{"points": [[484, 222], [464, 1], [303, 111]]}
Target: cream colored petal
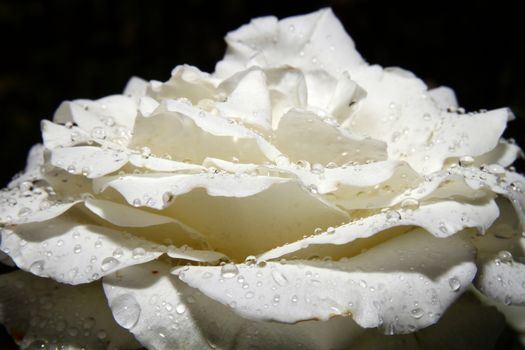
{"points": [[89, 161], [164, 313], [305, 136], [398, 111], [248, 99], [160, 190], [441, 219], [312, 41], [74, 253], [444, 97], [243, 226], [377, 288], [42, 314]]}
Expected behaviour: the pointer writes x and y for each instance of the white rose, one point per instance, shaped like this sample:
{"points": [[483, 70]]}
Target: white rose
{"points": [[295, 198]]}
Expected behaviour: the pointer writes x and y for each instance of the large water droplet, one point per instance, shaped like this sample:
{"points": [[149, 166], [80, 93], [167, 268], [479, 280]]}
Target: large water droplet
{"points": [[279, 278], [180, 309], [410, 204], [138, 253], [109, 263], [77, 249], [126, 310], [417, 313], [392, 215], [229, 270], [454, 284], [37, 267], [505, 257]]}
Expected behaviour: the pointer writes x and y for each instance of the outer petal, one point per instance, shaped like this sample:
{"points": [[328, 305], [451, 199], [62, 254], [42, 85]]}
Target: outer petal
{"points": [[74, 253], [40, 313], [441, 219], [465, 325], [164, 313], [377, 288], [415, 128]]}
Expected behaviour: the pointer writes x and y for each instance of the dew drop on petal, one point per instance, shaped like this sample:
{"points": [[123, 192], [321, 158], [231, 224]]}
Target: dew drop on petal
{"points": [[77, 249], [37, 267], [229, 270], [454, 284], [410, 204], [138, 253], [126, 310], [417, 313], [180, 308], [109, 263]]}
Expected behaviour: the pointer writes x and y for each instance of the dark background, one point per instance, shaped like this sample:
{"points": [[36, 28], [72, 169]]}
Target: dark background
{"points": [[52, 51]]}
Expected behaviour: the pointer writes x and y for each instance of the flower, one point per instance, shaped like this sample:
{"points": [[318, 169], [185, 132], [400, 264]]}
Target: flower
{"points": [[296, 197]]}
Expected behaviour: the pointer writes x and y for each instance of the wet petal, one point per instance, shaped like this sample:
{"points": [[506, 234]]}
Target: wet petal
{"points": [[173, 315], [41, 313], [377, 287], [305, 136], [160, 190], [249, 100], [308, 41], [74, 253], [441, 219], [89, 161]]}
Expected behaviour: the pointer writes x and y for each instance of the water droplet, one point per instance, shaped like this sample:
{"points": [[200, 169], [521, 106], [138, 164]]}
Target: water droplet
{"points": [[207, 275], [38, 345], [109, 263], [71, 169], [427, 116], [249, 295], [77, 249], [138, 253], [392, 215], [180, 308], [136, 202], [98, 243], [505, 257], [25, 211], [88, 323], [312, 188], [363, 284], [229, 270], [276, 299], [117, 253], [279, 278], [294, 298], [145, 152], [98, 133], [443, 228], [466, 161], [454, 284], [126, 310], [495, 169], [417, 313], [37, 268], [410, 204], [317, 168]]}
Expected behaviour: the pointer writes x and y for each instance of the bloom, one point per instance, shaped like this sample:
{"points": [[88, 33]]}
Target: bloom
{"points": [[296, 184]]}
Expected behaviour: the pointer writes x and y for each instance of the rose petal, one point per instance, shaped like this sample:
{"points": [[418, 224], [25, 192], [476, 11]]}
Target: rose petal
{"points": [[415, 128], [249, 99], [89, 161], [173, 315], [32, 171], [123, 215], [441, 219], [160, 190], [308, 41], [250, 225], [187, 253], [135, 88], [305, 136], [160, 164], [186, 133], [377, 287], [187, 82], [38, 312], [465, 325], [444, 97], [74, 253]]}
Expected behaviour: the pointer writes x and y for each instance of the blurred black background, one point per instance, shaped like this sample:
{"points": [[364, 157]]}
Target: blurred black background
{"points": [[54, 50]]}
